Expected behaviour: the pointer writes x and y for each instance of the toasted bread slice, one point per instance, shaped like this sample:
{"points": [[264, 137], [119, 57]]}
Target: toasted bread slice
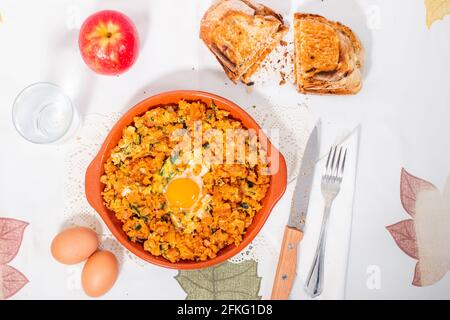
{"points": [[241, 34], [328, 56]]}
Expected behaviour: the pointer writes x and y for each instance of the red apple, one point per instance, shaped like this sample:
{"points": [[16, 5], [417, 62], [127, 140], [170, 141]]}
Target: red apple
{"points": [[109, 42]]}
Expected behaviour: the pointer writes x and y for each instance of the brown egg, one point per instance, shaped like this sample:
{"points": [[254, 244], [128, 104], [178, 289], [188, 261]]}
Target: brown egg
{"points": [[74, 245], [99, 273]]}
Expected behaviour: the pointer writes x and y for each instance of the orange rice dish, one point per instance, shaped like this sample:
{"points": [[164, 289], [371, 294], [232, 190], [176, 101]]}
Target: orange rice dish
{"points": [[174, 205]]}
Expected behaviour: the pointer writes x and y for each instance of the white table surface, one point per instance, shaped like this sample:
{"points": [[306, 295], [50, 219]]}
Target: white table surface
{"points": [[403, 111]]}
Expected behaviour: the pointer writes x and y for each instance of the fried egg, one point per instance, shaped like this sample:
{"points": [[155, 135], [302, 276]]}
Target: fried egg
{"points": [[182, 193], [184, 190]]}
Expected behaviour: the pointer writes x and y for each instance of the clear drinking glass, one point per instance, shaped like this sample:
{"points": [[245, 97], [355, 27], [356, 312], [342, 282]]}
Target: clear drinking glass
{"points": [[42, 113]]}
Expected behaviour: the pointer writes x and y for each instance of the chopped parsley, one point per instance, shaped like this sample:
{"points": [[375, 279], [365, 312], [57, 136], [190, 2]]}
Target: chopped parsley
{"points": [[244, 205], [135, 209], [174, 157], [213, 106]]}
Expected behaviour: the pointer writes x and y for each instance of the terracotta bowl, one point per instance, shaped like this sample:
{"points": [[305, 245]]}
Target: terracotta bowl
{"points": [[95, 170]]}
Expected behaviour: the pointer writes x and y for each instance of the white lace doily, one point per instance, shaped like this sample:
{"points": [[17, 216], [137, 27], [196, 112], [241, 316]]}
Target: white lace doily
{"points": [[259, 249], [80, 151]]}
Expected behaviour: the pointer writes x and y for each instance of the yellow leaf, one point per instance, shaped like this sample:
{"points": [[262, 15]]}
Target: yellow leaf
{"points": [[436, 10]]}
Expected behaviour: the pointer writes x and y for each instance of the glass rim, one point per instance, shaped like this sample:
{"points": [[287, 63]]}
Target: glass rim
{"points": [[14, 106]]}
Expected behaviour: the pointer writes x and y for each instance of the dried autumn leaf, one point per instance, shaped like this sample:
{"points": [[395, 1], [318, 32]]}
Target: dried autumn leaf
{"points": [[426, 237], [11, 281], [417, 278], [404, 235], [227, 281], [432, 225], [436, 10], [11, 233], [410, 186]]}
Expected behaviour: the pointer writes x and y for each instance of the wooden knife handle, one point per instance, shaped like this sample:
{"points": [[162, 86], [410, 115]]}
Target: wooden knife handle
{"points": [[287, 264]]}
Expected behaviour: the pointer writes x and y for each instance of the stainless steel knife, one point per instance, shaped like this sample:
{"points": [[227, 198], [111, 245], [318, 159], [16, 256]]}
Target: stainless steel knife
{"points": [[293, 234]]}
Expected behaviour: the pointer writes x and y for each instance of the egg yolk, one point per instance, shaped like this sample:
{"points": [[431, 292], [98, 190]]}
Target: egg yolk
{"points": [[182, 193]]}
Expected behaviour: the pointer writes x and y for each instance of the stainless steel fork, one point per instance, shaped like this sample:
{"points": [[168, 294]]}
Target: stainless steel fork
{"points": [[331, 185]]}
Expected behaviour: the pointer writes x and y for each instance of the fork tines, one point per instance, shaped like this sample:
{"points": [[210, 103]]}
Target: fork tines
{"points": [[334, 169]]}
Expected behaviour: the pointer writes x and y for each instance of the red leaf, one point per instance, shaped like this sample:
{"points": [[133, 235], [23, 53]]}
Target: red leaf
{"points": [[417, 281], [410, 186], [404, 235], [11, 281], [11, 233]]}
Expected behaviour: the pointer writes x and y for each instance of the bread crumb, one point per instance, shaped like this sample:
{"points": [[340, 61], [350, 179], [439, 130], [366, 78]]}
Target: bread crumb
{"points": [[283, 77], [249, 89]]}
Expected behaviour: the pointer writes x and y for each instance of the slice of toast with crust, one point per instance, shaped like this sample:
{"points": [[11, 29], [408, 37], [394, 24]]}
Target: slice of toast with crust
{"points": [[328, 56], [241, 34]]}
